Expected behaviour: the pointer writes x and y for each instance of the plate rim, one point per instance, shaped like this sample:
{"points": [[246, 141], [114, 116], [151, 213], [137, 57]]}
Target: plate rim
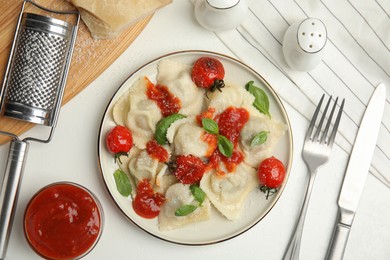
{"points": [[283, 112]]}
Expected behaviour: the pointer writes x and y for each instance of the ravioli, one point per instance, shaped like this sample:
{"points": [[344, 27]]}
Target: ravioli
{"points": [[123, 164], [120, 110], [228, 192], [143, 166], [187, 137], [143, 113], [177, 196], [231, 95], [177, 78], [259, 122]]}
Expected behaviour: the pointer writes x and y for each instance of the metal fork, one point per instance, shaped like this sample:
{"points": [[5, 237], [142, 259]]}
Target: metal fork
{"points": [[316, 152]]}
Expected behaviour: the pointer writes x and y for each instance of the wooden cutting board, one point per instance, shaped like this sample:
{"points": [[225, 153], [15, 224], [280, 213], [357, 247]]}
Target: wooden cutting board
{"points": [[90, 57]]}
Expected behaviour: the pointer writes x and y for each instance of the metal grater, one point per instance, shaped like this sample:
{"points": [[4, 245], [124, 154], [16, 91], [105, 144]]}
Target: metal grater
{"points": [[32, 91], [37, 69]]}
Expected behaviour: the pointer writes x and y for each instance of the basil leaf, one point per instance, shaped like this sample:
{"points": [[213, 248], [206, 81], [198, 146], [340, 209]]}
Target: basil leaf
{"points": [[210, 126], [261, 102], [185, 210], [198, 193], [162, 127], [225, 146], [260, 138], [122, 183]]}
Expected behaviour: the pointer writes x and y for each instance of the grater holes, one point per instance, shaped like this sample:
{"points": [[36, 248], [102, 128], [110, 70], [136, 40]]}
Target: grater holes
{"points": [[37, 69]]}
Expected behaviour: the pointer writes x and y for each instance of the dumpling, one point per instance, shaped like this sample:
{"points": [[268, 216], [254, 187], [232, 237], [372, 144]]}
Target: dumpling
{"points": [[175, 125], [142, 166], [123, 164], [259, 122], [231, 95], [177, 196], [164, 180], [124, 160], [228, 192], [177, 78], [187, 137], [120, 110], [143, 114]]}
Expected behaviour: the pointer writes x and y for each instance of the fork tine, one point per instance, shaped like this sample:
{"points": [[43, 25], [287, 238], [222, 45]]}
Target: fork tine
{"points": [[313, 119], [336, 124], [324, 135], [317, 134]]}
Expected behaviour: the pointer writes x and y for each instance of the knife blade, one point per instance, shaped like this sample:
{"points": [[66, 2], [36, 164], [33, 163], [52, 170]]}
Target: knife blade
{"points": [[356, 173]]}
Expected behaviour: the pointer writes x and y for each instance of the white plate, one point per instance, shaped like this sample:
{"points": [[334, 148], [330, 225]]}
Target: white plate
{"points": [[218, 228]]}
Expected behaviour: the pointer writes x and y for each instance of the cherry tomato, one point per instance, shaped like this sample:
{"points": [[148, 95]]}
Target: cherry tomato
{"points": [[208, 73], [189, 169], [271, 173], [119, 141]]}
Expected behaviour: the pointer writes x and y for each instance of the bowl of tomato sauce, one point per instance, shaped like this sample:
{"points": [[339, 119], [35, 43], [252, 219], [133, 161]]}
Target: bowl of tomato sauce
{"points": [[63, 220]]}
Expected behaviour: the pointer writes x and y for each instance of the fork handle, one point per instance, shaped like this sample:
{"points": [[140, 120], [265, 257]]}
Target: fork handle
{"points": [[339, 240], [292, 251]]}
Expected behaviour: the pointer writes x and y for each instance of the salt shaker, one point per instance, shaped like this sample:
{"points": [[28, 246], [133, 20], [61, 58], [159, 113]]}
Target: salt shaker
{"points": [[303, 44], [220, 15]]}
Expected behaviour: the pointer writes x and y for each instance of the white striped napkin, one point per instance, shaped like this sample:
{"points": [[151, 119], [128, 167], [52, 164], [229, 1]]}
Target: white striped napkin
{"points": [[356, 60]]}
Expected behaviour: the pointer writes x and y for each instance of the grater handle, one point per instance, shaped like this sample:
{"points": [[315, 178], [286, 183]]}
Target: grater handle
{"points": [[9, 190]]}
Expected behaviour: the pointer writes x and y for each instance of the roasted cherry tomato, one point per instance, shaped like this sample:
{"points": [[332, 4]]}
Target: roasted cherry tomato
{"points": [[119, 141], [189, 169], [271, 173], [208, 73]]}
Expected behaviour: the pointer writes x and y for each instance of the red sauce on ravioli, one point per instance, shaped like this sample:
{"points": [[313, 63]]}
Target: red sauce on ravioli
{"points": [[156, 151], [166, 101], [147, 203], [231, 121]]}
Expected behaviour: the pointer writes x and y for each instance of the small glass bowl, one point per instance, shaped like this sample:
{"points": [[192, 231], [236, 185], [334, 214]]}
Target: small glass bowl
{"points": [[63, 220]]}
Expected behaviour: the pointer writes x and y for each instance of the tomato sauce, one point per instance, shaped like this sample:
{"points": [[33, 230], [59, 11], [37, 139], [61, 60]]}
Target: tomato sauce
{"points": [[211, 141], [147, 203], [63, 221], [166, 101], [229, 162], [189, 169], [231, 121], [156, 151], [206, 114]]}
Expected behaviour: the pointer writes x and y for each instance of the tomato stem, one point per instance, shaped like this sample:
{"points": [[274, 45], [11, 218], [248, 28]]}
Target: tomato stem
{"points": [[218, 84], [117, 156], [268, 191]]}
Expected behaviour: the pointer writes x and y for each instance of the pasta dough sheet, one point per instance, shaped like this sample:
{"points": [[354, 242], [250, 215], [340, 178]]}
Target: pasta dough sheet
{"points": [[106, 19]]}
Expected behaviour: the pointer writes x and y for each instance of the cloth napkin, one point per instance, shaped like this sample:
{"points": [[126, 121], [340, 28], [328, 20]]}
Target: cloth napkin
{"points": [[356, 60]]}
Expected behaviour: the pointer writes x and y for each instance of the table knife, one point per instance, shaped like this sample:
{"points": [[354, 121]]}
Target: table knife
{"points": [[356, 173]]}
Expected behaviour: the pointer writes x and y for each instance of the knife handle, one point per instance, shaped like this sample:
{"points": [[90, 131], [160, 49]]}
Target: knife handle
{"points": [[338, 242]]}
